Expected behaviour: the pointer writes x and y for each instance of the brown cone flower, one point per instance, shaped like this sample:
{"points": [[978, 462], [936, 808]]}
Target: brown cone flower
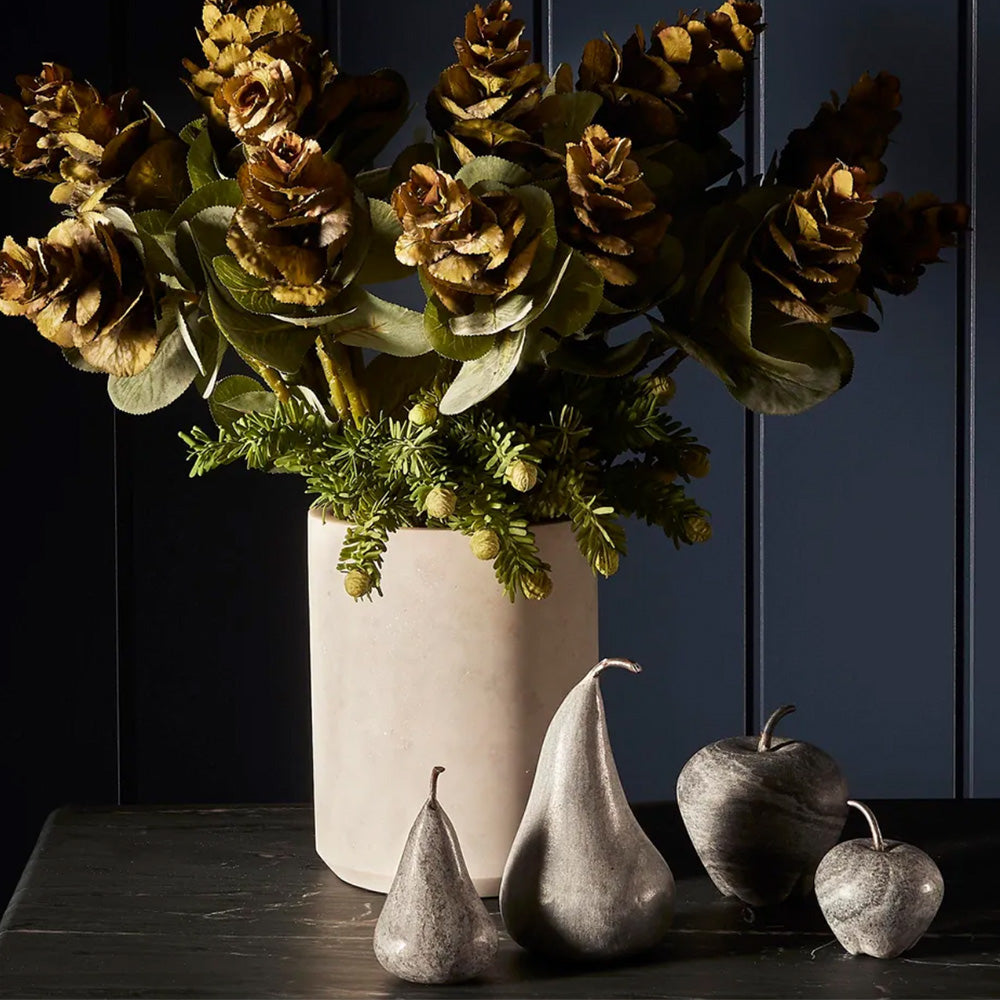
{"points": [[808, 252], [688, 84], [855, 132], [92, 148], [615, 222], [490, 97], [296, 219], [904, 236], [84, 287], [465, 245]]}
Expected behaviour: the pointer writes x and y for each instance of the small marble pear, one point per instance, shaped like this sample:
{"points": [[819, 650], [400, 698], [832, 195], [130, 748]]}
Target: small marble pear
{"points": [[582, 880], [878, 896], [433, 927]]}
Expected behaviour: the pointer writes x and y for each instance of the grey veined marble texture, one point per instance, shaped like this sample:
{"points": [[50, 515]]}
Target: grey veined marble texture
{"points": [[762, 812], [879, 897], [583, 881], [434, 927]]}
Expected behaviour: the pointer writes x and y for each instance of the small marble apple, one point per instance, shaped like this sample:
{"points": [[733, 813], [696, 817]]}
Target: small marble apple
{"points": [[878, 896], [761, 812]]}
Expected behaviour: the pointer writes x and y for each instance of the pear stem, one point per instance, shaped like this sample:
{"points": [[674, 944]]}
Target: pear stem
{"points": [[877, 842], [435, 771], [768, 731], [615, 661]]}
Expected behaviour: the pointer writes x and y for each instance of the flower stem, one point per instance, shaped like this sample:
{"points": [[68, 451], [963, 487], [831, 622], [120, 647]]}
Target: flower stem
{"points": [[337, 395], [271, 376], [340, 363]]}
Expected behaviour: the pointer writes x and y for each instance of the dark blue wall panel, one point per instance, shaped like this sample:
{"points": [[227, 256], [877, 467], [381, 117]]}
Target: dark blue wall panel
{"points": [[859, 506], [984, 689]]}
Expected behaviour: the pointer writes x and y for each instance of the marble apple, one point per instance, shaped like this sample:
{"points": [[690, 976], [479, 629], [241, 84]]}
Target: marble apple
{"points": [[878, 896], [761, 812]]}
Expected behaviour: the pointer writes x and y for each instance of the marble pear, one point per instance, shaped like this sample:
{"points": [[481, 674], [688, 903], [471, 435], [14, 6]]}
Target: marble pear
{"points": [[878, 896], [433, 927], [582, 880]]}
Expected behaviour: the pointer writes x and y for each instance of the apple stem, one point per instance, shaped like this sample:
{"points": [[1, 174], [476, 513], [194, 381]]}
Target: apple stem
{"points": [[615, 661], [435, 771], [877, 842], [768, 731]]}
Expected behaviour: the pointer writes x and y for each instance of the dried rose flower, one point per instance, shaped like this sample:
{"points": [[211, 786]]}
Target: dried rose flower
{"points": [[465, 245], [808, 252], [263, 98], [84, 287], [614, 219], [296, 220], [688, 84], [904, 236]]}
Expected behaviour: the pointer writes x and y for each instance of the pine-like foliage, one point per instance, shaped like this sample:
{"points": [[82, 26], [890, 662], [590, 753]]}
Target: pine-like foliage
{"points": [[601, 449]]}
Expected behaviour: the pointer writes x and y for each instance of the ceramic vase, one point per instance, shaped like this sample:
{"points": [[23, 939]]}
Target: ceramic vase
{"points": [[442, 669]]}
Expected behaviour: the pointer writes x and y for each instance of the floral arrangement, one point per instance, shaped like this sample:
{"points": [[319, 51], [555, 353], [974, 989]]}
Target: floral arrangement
{"points": [[575, 236]]}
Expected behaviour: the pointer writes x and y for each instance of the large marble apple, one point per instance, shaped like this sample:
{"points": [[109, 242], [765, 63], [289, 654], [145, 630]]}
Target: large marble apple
{"points": [[761, 812], [878, 896]]}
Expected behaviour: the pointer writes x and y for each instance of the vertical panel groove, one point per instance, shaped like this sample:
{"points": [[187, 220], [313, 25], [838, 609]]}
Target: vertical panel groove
{"points": [[753, 536], [965, 415], [118, 14]]}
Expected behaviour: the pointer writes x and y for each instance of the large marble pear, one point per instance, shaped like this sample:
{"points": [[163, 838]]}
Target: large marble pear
{"points": [[582, 880], [433, 927]]}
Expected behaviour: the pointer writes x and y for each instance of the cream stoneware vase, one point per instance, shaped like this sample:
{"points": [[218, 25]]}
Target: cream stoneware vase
{"points": [[441, 670]]}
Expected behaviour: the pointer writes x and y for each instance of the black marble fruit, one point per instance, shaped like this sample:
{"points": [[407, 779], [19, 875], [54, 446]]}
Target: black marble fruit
{"points": [[878, 896], [762, 812]]}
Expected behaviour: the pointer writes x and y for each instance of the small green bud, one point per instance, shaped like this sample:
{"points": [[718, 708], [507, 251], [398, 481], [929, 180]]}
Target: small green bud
{"points": [[422, 414], [607, 563], [357, 583], [537, 587], [522, 475], [485, 544], [695, 462], [440, 502], [661, 388], [697, 529]]}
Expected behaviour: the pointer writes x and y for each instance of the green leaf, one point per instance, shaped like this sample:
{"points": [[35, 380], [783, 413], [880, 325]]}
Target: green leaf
{"points": [[575, 298], [192, 130], [228, 390], [208, 230], [492, 169], [252, 294], [570, 114], [201, 166], [444, 342], [490, 316], [212, 347], [369, 321], [708, 275], [479, 379], [596, 358], [163, 380], [381, 264], [271, 341], [393, 380], [213, 195]]}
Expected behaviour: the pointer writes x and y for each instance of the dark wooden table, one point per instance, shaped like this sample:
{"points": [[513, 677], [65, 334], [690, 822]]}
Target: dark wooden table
{"points": [[233, 902]]}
